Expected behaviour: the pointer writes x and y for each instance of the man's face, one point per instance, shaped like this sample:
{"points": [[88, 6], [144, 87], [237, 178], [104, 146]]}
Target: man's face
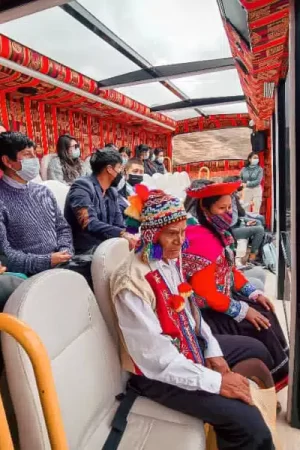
{"points": [[145, 155], [171, 239], [134, 169], [114, 171], [27, 153]]}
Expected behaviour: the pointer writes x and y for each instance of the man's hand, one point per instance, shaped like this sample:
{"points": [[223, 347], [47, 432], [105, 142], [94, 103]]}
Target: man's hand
{"points": [[236, 386], [266, 303], [218, 364], [2, 269], [132, 239], [257, 319], [251, 223], [60, 258]]}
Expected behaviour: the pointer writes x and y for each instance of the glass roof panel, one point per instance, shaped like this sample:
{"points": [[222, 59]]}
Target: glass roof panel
{"points": [[216, 84], [56, 34], [181, 114], [168, 31], [228, 108], [151, 94]]}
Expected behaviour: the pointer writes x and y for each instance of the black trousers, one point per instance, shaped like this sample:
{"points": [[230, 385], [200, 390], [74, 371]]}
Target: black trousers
{"points": [[237, 425]]}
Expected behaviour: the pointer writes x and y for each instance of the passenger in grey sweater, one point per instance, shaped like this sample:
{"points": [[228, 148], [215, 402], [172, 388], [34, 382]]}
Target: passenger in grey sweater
{"points": [[34, 235], [252, 175]]}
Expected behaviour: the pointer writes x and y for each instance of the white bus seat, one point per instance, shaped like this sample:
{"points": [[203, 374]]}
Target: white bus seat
{"points": [[107, 256], [59, 190], [184, 179], [61, 308], [146, 179], [45, 161]]}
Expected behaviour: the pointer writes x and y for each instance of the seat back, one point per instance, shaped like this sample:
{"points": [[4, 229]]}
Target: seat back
{"points": [[45, 161], [62, 310], [59, 190], [106, 258]]}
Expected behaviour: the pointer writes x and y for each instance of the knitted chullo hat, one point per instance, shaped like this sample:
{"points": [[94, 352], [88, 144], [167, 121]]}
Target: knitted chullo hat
{"points": [[149, 212]]}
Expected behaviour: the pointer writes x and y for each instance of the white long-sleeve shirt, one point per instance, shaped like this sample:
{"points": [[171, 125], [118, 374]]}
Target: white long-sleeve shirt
{"points": [[153, 352]]}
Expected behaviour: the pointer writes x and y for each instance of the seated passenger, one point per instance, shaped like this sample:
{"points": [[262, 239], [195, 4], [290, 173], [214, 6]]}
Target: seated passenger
{"points": [[34, 236], [159, 161], [133, 175], [256, 275], [259, 218], [231, 305], [125, 153], [92, 208], [111, 146], [142, 152], [171, 353], [67, 166]]}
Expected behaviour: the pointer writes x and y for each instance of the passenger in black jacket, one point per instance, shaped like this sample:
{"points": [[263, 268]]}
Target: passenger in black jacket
{"points": [[159, 161], [142, 152], [92, 208]]}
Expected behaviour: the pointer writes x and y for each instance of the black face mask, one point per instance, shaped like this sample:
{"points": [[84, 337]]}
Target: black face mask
{"points": [[116, 180], [134, 179]]}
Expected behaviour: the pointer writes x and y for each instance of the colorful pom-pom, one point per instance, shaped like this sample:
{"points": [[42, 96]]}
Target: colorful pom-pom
{"points": [[142, 192], [185, 290], [177, 303]]}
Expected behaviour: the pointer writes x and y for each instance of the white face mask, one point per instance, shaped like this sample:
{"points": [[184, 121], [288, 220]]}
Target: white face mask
{"points": [[75, 153], [254, 162], [160, 160], [30, 169]]}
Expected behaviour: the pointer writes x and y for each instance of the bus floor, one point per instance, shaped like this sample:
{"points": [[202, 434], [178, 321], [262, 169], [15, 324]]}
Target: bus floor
{"points": [[289, 437]]}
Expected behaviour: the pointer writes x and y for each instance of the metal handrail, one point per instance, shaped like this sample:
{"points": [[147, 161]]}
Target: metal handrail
{"points": [[170, 163], [205, 168], [40, 361]]}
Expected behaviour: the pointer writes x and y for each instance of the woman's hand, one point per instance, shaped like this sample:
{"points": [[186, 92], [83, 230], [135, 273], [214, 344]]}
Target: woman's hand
{"points": [[257, 319], [218, 364], [265, 302]]}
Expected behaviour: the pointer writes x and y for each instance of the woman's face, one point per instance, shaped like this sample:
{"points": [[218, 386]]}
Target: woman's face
{"points": [[221, 206], [72, 146], [254, 160]]}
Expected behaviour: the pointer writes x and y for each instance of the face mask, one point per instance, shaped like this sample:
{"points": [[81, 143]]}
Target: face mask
{"points": [[146, 156], [115, 182], [160, 160], [30, 169], [134, 179], [254, 162], [76, 152], [152, 158], [124, 161], [222, 222]]}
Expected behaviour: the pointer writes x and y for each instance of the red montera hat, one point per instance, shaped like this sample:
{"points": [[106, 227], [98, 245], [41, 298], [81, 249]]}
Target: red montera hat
{"points": [[213, 190]]}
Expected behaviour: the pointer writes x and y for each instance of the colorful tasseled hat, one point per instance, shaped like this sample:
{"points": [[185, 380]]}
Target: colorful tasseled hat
{"points": [[151, 211], [212, 190]]}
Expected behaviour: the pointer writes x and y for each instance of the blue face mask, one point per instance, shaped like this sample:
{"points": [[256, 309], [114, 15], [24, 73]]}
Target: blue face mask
{"points": [[254, 162], [124, 161], [30, 169], [76, 152]]}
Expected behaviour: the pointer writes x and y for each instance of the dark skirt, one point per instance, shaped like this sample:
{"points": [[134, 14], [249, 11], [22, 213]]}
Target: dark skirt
{"points": [[273, 338]]}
